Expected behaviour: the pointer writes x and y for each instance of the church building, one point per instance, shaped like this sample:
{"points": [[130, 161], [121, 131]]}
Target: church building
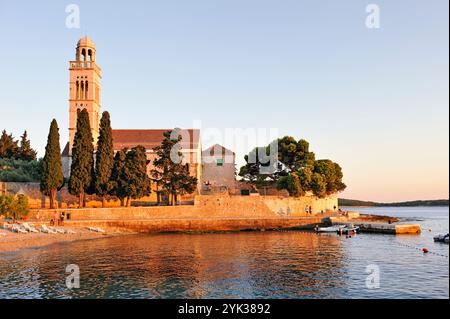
{"points": [[85, 93]]}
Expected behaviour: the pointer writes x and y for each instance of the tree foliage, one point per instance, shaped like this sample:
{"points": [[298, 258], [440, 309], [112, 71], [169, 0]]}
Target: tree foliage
{"points": [[25, 152], [14, 170], [138, 184], [292, 184], [13, 206], [104, 158], [10, 148], [129, 175], [118, 176], [280, 158], [332, 175], [295, 163], [52, 179], [318, 185], [169, 173], [251, 171], [82, 167]]}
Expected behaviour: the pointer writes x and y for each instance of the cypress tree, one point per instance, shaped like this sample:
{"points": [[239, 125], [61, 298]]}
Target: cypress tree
{"points": [[82, 168], [52, 178], [138, 182], [118, 176], [25, 151], [104, 158]]}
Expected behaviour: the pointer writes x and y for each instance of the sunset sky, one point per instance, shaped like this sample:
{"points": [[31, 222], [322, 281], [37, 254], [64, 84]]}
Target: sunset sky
{"points": [[374, 100]]}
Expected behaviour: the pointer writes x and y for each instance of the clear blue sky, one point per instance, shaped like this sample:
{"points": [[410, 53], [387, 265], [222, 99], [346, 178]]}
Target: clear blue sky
{"points": [[374, 100]]}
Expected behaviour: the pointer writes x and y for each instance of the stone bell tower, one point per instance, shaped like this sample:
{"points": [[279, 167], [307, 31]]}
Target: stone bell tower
{"points": [[85, 76]]}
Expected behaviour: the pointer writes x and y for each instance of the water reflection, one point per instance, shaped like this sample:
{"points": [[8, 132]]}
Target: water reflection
{"points": [[243, 265], [238, 265]]}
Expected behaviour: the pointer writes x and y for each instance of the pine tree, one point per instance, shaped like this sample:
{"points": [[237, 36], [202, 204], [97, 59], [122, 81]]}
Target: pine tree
{"points": [[52, 178], [170, 174], [319, 185], [82, 168], [104, 158], [8, 146], [332, 175], [292, 184], [25, 151]]}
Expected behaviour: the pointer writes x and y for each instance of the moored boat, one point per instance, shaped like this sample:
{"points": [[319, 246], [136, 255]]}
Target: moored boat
{"points": [[349, 230], [331, 229], [441, 238]]}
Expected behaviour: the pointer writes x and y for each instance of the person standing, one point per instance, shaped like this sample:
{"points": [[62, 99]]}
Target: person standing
{"points": [[62, 218], [56, 218]]}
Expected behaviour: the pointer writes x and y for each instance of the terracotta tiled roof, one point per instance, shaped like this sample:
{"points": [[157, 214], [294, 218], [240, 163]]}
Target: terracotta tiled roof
{"points": [[217, 150], [152, 138]]}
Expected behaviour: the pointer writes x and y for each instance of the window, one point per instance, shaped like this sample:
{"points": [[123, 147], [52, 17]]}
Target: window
{"points": [[219, 162]]}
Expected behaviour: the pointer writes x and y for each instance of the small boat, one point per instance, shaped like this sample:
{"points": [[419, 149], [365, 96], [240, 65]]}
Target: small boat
{"points": [[331, 229], [349, 230], [441, 238]]}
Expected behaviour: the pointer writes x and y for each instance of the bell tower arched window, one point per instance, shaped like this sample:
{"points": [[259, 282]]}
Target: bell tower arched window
{"points": [[82, 90], [77, 94]]}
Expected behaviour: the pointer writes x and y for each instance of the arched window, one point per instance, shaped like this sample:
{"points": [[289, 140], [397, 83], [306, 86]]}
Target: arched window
{"points": [[82, 90], [86, 90], [90, 54], [83, 53], [77, 94]]}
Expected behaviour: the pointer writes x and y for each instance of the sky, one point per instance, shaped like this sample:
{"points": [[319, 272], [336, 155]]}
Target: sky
{"points": [[375, 100]]}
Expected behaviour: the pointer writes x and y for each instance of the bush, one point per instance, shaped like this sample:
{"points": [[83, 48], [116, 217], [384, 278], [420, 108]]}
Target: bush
{"points": [[14, 206]]}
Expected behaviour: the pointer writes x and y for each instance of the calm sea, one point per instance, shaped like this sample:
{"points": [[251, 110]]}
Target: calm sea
{"points": [[288, 264]]}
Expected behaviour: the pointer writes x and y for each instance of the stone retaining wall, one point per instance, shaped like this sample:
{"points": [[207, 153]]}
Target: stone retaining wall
{"points": [[202, 225], [204, 207]]}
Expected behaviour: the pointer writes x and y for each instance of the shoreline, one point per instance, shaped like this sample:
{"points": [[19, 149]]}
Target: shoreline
{"points": [[13, 242]]}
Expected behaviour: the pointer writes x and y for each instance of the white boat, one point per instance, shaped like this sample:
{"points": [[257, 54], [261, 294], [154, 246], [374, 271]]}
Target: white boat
{"points": [[331, 229], [349, 230]]}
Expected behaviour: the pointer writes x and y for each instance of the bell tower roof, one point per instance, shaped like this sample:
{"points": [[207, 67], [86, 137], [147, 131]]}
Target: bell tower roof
{"points": [[86, 42]]}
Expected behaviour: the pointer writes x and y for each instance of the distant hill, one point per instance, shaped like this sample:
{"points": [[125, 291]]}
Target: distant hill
{"points": [[353, 202]]}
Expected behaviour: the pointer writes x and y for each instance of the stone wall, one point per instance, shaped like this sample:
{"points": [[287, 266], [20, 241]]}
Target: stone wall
{"points": [[66, 200], [205, 207], [37, 200], [248, 206], [202, 224]]}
